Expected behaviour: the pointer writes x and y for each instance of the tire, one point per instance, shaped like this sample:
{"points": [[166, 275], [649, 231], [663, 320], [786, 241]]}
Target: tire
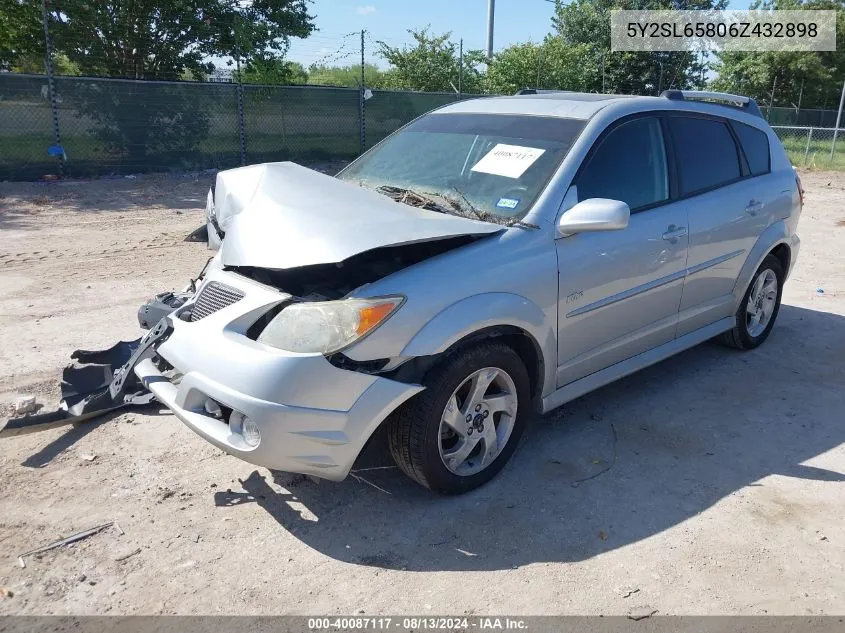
{"points": [[744, 335], [422, 442]]}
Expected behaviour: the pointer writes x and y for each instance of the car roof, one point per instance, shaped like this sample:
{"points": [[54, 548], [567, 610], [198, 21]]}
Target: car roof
{"points": [[572, 105], [581, 105]]}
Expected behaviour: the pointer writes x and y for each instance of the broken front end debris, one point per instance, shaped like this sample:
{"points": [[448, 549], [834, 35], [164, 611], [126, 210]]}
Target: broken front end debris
{"points": [[102, 381]]}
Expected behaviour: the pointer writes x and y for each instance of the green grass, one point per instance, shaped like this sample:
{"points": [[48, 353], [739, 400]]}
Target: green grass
{"points": [[818, 154], [25, 157]]}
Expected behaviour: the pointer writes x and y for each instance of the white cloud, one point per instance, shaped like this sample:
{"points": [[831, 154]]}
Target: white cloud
{"points": [[365, 10]]}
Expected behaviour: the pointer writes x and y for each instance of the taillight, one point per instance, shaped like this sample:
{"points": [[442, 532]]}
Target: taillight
{"points": [[800, 189]]}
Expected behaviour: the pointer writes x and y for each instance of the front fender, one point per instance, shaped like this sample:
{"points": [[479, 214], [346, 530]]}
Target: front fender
{"points": [[778, 233], [482, 311]]}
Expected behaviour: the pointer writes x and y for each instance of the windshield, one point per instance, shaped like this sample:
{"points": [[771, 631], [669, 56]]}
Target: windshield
{"points": [[487, 165]]}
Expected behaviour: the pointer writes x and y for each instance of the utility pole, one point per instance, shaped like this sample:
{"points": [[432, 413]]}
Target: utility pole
{"points": [[239, 96], [772, 98], [539, 63], [603, 88], [838, 119], [362, 102], [461, 70], [56, 150], [660, 81], [491, 9], [800, 97]]}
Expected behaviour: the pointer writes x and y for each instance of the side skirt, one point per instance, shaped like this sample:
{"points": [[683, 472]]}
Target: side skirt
{"points": [[579, 387]]}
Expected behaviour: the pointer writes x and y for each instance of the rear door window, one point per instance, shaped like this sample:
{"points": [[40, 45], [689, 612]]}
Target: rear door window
{"points": [[706, 154], [755, 145], [629, 164]]}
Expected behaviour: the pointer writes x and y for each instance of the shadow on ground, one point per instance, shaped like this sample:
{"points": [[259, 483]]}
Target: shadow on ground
{"points": [[77, 431], [614, 467]]}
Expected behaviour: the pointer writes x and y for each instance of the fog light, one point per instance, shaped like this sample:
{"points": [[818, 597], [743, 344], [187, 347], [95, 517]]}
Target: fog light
{"points": [[212, 408], [250, 432]]}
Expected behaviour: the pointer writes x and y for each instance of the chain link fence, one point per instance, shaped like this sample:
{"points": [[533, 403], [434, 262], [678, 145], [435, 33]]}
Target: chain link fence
{"points": [[120, 126], [814, 147], [800, 117]]}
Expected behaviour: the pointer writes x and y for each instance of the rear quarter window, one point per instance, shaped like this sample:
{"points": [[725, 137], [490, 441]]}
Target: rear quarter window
{"points": [[706, 153], [755, 146]]}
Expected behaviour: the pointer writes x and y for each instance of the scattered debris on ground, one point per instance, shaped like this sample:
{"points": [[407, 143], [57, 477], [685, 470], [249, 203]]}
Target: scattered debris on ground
{"points": [[73, 538], [25, 405], [120, 559]]}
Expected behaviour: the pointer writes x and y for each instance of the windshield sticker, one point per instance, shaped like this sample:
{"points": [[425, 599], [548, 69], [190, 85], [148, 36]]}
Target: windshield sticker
{"points": [[509, 161], [507, 203]]}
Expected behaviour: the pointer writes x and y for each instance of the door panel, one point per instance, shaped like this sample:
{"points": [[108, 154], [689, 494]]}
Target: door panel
{"points": [[619, 291], [723, 230], [726, 218]]}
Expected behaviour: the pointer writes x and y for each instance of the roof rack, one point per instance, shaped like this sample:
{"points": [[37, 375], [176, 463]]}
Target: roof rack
{"points": [[736, 101], [538, 91]]}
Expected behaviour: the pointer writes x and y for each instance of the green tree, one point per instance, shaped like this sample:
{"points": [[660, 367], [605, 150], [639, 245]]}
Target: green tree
{"points": [[150, 39], [554, 64], [795, 76], [274, 72], [432, 64], [587, 22], [811, 79], [33, 64], [21, 33], [143, 124], [347, 76]]}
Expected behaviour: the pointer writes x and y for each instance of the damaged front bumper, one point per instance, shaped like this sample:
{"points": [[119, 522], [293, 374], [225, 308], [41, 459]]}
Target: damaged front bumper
{"points": [[312, 417]]}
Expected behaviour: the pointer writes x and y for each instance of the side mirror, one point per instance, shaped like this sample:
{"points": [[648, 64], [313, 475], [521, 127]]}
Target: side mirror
{"points": [[595, 214]]}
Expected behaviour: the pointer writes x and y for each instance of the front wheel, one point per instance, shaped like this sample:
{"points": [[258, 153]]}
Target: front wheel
{"points": [[458, 433], [759, 307]]}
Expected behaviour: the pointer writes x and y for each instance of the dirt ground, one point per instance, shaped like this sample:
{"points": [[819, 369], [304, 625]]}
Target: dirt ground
{"points": [[711, 483]]}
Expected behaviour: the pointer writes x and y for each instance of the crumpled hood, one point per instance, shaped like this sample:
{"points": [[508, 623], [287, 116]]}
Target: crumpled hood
{"points": [[283, 215]]}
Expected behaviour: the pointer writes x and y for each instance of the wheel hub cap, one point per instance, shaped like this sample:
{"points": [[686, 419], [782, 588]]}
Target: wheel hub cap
{"points": [[477, 421], [762, 301]]}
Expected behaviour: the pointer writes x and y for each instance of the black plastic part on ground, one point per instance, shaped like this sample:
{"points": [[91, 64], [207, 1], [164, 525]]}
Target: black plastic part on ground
{"points": [[102, 381], [85, 390]]}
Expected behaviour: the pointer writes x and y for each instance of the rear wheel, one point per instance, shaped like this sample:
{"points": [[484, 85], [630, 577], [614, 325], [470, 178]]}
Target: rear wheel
{"points": [[759, 308], [458, 433]]}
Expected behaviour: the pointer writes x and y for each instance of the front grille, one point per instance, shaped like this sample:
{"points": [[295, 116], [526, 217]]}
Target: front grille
{"points": [[214, 296]]}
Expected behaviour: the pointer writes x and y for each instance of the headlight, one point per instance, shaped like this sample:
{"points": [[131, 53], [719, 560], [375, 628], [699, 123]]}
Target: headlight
{"points": [[326, 326]]}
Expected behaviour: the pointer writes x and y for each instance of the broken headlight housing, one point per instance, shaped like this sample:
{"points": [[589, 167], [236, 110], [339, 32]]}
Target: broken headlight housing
{"points": [[327, 326], [215, 233]]}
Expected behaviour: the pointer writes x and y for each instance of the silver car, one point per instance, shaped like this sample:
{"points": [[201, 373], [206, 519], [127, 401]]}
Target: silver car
{"points": [[490, 260]]}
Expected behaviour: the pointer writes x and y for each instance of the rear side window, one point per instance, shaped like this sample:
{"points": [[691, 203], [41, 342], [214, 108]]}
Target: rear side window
{"points": [[628, 165], [706, 153], [755, 145]]}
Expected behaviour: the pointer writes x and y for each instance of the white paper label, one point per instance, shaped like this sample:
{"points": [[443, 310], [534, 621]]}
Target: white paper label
{"points": [[509, 161]]}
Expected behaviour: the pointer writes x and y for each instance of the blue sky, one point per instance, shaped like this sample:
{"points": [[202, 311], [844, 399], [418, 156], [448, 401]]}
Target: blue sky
{"points": [[388, 20]]}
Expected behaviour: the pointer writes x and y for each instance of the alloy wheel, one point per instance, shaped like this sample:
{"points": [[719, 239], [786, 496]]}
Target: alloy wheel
{"points": [[477, 421], [761, 303]]}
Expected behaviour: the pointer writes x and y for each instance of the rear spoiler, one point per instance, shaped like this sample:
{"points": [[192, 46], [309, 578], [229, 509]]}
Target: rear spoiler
{"points": [[720, 98]]}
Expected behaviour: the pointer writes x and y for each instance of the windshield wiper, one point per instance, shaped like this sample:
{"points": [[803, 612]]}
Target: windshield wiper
{"points": [[411, 198], [463, 207], [522, 224], [486, 216], [468, 206]]}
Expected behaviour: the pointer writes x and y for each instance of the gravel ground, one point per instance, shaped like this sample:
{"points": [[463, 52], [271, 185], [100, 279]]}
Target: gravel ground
{"points": [[710, 483]]}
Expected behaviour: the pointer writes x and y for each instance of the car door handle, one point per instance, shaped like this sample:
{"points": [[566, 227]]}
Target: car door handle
{"points": [[673, 233], [753, 207]]}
